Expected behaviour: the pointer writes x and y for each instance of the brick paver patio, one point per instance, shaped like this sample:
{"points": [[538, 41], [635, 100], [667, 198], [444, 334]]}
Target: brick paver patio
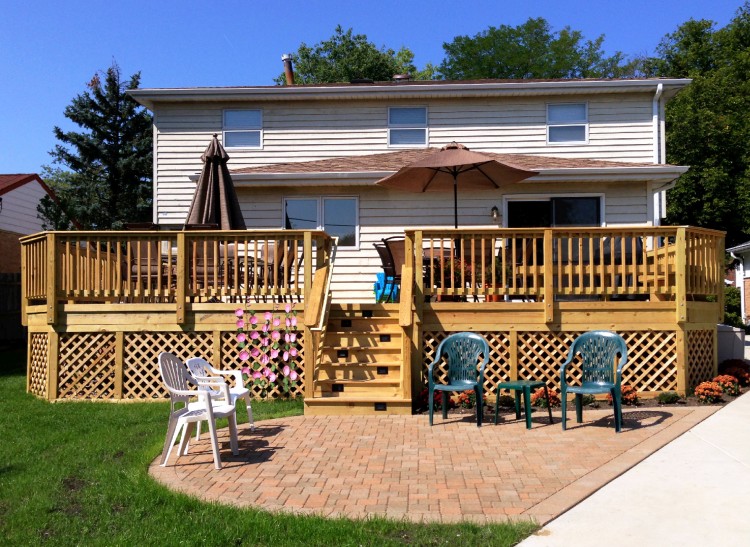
{"points": [[400, 467]]}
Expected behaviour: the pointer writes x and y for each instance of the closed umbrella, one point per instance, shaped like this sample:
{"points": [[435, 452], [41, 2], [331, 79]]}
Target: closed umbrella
{"points": [[215, 200], [450, 166]]}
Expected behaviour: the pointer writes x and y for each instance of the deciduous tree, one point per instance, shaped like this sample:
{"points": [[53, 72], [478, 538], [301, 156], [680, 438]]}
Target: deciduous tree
{"points": [[530, 50], [708, 126]]}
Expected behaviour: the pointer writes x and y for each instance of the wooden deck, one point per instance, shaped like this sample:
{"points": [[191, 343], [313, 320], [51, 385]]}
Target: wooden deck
{"points": [[100, 306]]}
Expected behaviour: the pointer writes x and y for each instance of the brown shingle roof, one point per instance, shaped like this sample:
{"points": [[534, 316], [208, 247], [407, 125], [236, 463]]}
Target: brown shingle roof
{"points": [[11, 182], [393, 161]]}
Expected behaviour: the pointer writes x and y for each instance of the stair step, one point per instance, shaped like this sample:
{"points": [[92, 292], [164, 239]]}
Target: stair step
{"points": [[346, 340], [364, 382], [364, 326], [362, 406], [363, 364]]}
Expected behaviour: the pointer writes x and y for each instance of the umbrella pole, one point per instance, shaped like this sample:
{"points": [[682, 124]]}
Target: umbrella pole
{"points": [[455, 211]]}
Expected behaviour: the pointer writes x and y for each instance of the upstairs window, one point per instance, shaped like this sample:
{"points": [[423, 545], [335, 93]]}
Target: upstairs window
{"points": [[242, 128], [407, 126], [567, 123]]}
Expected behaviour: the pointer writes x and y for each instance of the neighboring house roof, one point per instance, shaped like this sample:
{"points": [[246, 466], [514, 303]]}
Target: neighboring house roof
{"points": [[741, 248], [416, 89], [11, 182], [378, 165]]}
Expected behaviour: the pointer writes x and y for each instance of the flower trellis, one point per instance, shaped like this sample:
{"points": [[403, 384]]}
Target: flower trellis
{"points": [[270, 343]]}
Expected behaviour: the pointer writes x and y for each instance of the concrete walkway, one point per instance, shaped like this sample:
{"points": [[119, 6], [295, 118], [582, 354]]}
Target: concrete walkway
{"points": [[400, 467], [694, 491]]}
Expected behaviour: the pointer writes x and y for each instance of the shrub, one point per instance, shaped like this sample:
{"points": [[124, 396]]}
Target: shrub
{"points": [[425, 399], [538, 398], [629, 395], [738, 368], [588, 399], [668, 397], [465, 399], [729, 384], [506, 400], [709, 392]]}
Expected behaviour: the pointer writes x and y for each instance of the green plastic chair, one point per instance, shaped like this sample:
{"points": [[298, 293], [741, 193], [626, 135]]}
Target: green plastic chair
{"points": [[599, 350], [462, 351]]}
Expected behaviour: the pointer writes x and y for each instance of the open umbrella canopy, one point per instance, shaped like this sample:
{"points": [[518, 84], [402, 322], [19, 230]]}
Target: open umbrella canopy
{"points": [[215, 200], [450, 166]]}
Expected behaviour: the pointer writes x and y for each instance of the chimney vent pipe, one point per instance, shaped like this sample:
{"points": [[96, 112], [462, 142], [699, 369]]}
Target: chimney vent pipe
{"points": [[288, 70]]}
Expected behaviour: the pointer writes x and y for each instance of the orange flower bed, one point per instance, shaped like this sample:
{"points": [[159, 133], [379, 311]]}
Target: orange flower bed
{"points": [[729, 384], [709, 392], [538, 398], [629, 395]]}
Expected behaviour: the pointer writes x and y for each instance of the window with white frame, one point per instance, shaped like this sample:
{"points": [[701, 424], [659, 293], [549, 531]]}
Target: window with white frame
{"points": [[407, 126], [338, 216], [567, 123], [242, 128]]}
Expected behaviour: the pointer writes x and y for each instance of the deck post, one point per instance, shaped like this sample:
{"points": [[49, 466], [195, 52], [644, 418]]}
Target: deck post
{"points": [[682, 360], [181, 281], [720, 250], [51, 289], [119, 369], [549, 277], [307, 262], [680, 281], [24, 319], [53, 341], [415, 333], [513, 339]]}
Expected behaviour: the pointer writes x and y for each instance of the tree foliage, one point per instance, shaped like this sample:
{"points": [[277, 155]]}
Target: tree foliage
{"points": [[530, 50], [108, 165], [346, 56], [708, 126]]}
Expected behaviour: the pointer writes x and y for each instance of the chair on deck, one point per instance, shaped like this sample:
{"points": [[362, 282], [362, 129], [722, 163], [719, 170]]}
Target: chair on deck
{"points": [[389, 270], [199, 367], [280, 259], [462, 350], [177, 380], [598, 351], [396, 247]]}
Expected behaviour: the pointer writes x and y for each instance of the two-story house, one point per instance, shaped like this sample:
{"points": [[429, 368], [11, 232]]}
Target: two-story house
{"points": [[309, 156], [574, 247]]}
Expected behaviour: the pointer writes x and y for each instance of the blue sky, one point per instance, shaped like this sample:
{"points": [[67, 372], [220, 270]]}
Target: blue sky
{"points": [[50, 49]]}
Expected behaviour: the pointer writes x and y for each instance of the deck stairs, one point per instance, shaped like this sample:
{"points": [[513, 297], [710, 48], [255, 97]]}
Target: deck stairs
{"points": [[360, 367]]}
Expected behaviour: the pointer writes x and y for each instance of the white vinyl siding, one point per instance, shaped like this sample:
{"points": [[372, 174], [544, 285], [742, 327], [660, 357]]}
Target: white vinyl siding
{"points": [[243, 128], [384, 213], [620, 129], [567, 123], [19, 214], [407, 127]]}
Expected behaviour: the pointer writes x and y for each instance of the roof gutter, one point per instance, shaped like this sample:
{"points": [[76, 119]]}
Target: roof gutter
{"points": [[656, 124], [415, 89]]}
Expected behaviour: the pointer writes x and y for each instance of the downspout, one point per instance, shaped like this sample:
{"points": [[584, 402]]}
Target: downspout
{"points": [[739, 282], [659, 197]]}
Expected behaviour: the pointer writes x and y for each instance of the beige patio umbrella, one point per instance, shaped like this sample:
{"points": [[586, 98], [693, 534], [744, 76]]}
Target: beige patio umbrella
{"points": [[450, 166], [215, 200]]}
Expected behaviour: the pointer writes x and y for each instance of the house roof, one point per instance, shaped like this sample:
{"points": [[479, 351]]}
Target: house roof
{"points": [[741, 248], [379, 165], [11, 182], [413, 89]]}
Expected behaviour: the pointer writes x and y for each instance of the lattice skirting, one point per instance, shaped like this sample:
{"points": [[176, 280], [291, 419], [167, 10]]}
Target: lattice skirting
{"points": [[88, 363], [652, 358], [700, 352], [38, 364]]}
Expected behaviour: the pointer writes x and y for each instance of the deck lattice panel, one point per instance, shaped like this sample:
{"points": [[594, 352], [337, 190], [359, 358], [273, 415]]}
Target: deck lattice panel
{"points": [[700, 351], [141, 379], [87, 366], [38, 364], [651, 367]]}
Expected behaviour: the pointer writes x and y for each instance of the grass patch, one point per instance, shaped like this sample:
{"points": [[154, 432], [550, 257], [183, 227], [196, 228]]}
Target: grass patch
{"points": [[76, 473]]}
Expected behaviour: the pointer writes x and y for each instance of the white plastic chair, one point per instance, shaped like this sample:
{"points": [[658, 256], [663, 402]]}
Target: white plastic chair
{"points": [[176, 378], [201, 368]]}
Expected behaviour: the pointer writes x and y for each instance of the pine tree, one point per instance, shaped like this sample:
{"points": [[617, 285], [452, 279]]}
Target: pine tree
{"points": [[108, 178]]}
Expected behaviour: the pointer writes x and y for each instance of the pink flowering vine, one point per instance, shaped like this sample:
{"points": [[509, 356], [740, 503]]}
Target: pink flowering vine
{"points": [[270, 345]]}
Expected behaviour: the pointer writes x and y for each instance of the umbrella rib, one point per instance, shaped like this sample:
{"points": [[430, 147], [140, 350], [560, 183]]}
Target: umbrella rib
{"points": [[489, 178]]}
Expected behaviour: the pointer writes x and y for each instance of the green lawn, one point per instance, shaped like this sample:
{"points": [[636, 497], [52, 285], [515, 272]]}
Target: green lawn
{"points": [[76, 473]]}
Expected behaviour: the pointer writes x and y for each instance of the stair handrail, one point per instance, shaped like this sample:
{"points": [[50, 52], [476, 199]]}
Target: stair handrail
{"points": [[326, 306]]}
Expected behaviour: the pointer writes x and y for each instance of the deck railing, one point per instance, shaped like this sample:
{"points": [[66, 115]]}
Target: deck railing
{"points": [[169, 266], [663, 263]]}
